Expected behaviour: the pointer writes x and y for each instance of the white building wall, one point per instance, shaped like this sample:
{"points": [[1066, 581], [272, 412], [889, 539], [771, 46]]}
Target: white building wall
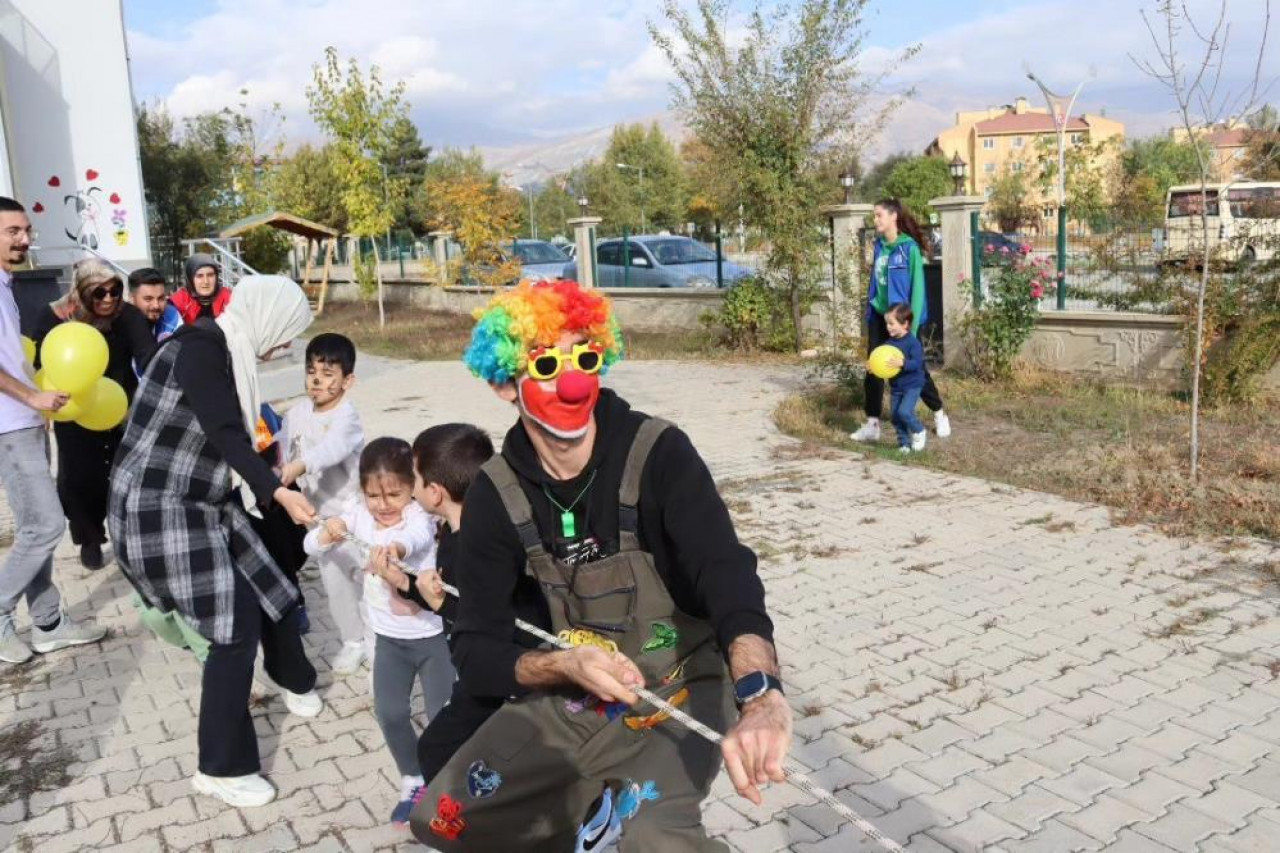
{"points": [[68, 128]]}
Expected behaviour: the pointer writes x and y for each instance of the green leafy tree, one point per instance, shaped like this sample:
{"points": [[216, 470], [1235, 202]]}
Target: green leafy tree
{"points": [[871, 185], [1262, 145], [1011, 203], [359, 116], [1141, 176], [405, 160], [775, 107], [1088, 198], [619, 195], [916, 180], [463, 197], [306, 184]]}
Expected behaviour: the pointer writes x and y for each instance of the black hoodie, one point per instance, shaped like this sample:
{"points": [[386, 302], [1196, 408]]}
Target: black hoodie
{"points": [[684, 524]]}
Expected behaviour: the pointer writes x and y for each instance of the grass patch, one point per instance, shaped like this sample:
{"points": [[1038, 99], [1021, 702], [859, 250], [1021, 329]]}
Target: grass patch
{"points": [[1088, 441], [422, 335]]}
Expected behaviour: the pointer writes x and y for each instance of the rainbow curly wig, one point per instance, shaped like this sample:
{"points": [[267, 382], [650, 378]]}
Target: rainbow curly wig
{"points": [[529, 315]]}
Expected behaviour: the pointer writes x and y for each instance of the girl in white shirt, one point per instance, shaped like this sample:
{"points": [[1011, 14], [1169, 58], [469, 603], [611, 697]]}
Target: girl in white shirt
{"points": [[410, 642]]}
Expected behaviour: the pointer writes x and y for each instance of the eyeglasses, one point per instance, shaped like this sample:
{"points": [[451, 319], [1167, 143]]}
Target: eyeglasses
{"points": [[547, 362], [100, 293]]}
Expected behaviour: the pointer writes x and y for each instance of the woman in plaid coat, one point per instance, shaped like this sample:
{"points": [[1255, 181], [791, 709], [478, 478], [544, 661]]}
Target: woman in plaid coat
{"points": [[186, 480]]}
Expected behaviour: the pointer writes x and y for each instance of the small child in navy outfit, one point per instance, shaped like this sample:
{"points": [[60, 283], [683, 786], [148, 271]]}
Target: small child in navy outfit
{"points": [[905, 388]]}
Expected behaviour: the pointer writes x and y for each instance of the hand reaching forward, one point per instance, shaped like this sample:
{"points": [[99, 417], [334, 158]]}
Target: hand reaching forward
{"points": [[756, 746]]}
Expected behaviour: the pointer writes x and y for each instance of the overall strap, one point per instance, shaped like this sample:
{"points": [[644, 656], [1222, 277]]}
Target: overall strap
{"points": [[517, 505], [629, 491]]}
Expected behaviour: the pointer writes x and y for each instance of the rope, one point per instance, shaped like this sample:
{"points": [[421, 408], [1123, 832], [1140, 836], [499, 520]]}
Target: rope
{"points": [[795, 772]]}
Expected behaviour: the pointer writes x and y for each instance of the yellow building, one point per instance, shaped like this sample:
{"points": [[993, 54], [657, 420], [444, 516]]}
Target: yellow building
{"points": [[1229, 142], [1014, 138]]}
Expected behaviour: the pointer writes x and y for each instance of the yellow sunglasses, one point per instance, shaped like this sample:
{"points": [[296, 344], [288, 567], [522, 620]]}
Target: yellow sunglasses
{"points": [[547, 362]]}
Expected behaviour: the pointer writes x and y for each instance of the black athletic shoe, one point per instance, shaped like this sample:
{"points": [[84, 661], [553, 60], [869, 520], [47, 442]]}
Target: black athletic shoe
{"points": [[91, 556]]}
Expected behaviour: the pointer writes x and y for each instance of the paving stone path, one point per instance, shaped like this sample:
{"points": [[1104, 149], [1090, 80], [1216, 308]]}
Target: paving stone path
{"points": [[973, 667]]}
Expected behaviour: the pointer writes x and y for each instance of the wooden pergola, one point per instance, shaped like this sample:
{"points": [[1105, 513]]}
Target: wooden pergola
{"points": [[300, 227]]}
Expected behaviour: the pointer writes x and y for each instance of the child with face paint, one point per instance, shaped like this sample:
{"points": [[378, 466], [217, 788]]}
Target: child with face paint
{"points": [[410, 640], [321, 441]]}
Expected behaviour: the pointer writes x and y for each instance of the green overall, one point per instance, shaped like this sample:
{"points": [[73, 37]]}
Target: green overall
{"points": [[553, 755]]}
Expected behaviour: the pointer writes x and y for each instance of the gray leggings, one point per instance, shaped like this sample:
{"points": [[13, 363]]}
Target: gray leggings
{"points": [[395, 664]]}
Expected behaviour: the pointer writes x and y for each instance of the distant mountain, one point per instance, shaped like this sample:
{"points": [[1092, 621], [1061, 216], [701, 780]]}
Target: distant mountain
{"points": [[910, 130]]}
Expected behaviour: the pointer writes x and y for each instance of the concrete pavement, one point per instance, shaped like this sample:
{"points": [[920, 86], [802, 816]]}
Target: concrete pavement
{"points": [[973, 667]]}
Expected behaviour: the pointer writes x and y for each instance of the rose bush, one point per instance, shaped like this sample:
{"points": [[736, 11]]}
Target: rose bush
{"points": [[997, 327]]}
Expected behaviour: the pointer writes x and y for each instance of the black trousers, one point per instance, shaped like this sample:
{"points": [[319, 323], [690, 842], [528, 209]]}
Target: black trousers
{"points": [[873, 386], [451, 728], [84, 474], [228, 742]]}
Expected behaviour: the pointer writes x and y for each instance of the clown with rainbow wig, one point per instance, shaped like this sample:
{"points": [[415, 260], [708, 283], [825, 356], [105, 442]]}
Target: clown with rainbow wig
{"points": [[609, 523]]}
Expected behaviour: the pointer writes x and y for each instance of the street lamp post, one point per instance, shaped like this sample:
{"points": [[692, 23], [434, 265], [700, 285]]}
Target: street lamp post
{"points": [[639, 169], [1060, 107], [959, 169], [582, 205], [847, 181]]}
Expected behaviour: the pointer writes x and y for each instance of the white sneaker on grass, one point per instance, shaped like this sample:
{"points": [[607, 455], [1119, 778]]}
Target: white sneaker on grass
{"points": [[306, 704], [904, 450], [941, 424], [870, 431], [918, 440], [242, 792], [66, 633], [347, 661]]}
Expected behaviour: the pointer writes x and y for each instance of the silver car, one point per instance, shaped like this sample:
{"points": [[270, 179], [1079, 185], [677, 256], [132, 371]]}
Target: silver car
{"points": [[658, 261]]}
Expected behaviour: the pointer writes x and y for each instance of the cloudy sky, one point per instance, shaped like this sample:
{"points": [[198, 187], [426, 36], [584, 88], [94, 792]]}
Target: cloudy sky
{"points": [[502, 72]]}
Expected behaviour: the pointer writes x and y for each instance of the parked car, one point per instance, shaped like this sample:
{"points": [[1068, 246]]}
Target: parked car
{"points": [[990, 239], [658, 261], [539, 260]]}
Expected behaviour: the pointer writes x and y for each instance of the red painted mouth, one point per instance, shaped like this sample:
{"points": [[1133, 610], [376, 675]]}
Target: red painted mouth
{"points": [[566, 411]]}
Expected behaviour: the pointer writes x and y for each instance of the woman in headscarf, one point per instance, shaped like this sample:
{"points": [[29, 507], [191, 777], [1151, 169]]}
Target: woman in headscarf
{"points": [[203, 295], [96, 297], [187, 479]]}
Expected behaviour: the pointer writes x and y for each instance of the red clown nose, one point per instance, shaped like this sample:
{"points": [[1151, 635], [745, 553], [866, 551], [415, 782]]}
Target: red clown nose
{"points": [[574, 386]]}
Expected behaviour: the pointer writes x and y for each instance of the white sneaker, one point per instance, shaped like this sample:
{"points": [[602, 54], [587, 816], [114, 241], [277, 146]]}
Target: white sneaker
{"points": [[12, 649], [870, 431], [347, 661], [242, 792], [941, 424], [904, 450], [306, 704], [918, 440], [67, 633]]}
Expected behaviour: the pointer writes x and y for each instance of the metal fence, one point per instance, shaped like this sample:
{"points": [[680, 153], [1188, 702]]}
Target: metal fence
{"points": [[1103, 266]]}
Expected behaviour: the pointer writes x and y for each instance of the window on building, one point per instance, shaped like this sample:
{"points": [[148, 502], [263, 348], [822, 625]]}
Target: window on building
{"points": [[989, 168], [989, 144], [1017, 166], [1077, 139], [1017, 142]]}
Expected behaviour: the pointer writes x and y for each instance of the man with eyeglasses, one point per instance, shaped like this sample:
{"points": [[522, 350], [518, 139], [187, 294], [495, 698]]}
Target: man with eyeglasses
{"points": [[24, 470], [611, 518]]}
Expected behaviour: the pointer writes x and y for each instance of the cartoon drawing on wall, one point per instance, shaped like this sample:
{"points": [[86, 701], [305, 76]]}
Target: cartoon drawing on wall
{"points": [[84, 208]]}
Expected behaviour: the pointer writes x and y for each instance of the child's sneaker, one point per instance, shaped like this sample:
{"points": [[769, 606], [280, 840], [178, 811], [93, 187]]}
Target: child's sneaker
{"points": [[918, 440], [411, 788], [347, 661], [904, 449], [870, 431], [941, 424]]}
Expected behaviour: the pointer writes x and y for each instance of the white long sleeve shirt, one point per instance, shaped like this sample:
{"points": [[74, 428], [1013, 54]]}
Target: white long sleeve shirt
{"points": [[416, 532], [13, 415], [329, 444]]}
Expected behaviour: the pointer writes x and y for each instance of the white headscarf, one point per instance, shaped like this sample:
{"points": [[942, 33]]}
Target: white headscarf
{"points": [[265, 312]]}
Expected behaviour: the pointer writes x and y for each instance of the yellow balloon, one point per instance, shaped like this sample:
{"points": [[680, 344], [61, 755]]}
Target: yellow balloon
{"points": [[74, 357], [110, 405], [879, 362], [72, 409], [29, 349]]}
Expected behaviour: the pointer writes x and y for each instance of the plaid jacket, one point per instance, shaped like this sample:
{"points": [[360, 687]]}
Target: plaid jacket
{"points": [[178, 526]]}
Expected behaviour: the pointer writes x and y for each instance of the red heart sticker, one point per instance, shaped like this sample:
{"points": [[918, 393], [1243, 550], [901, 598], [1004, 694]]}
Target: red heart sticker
{"points": [[37, 208], [54, 182], [91, 174], [115, 198]]}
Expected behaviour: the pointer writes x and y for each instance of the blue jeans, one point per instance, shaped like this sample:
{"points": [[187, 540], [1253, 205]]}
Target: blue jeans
{"points": [[902, 407], [38, 527]]}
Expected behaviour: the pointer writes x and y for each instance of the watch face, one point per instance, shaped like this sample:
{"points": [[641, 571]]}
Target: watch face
{"points": [[750, 686]]}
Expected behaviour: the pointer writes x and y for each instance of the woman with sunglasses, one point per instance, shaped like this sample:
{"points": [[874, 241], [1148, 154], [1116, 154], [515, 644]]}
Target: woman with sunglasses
{"points": [[96, 297]]}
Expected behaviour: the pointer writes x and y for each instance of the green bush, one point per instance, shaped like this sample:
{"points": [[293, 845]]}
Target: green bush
{"points": [[1241, 330], [754, 316], [366, 275], [995, 330]]}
